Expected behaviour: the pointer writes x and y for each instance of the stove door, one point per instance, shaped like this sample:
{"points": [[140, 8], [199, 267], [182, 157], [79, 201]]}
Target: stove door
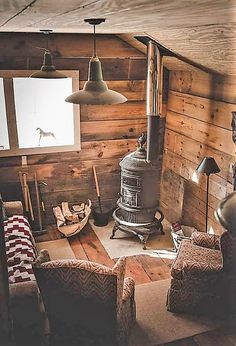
{"points": [[131, 190]]}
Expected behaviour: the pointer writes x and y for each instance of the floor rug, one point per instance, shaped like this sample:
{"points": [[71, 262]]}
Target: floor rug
{"points": [[129, 245], [58, 249], [155, 325]]}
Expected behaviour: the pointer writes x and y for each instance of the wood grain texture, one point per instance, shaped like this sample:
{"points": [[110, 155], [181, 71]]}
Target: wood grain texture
{"points": [[207, 110], [216, 87], [194, 150], [138, 13], [93, 247], [135, 270], [198, 125], [172, 194], [66, 46], [128, 110], [186, 169], [220, 39], [113, 129], [68, 170], [188, 28], [213, 136], [155, 268]]}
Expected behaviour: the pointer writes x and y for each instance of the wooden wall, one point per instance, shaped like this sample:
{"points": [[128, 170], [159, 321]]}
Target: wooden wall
{"points": [[107, 132], [198, 124]]}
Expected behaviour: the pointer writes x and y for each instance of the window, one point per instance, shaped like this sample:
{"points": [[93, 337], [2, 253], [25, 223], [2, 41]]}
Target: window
{"points": [[34, 115]]}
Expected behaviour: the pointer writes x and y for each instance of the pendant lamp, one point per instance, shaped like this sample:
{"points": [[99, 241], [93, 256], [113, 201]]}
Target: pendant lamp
{"points": [[95, 90], [48, 70]]}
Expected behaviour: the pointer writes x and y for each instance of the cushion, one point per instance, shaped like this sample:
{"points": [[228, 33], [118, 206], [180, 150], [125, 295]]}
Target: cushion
{"points": [[189, 251], [211, 241]]}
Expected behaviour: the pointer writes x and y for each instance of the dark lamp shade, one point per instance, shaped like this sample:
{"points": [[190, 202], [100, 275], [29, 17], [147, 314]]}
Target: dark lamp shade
{"points": [[48, 70], [95, 90], [226, 212], [208, 166]]}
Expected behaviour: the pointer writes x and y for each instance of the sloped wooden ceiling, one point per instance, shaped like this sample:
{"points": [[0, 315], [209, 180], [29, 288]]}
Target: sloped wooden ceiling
{"points": [[203, 31]]}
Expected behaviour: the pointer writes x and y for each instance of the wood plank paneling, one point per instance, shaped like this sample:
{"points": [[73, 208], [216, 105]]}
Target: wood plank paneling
{"points": [[193, 150], [186, 169], [214, 136], [207, 110], [66, 46], [216, 87], [128, 110], [61, 170], [113, 129], [172, 194], [198, 125]]}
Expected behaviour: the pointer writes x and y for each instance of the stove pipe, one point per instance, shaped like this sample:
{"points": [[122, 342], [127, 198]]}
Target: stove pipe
{"points": [[153, 100]]}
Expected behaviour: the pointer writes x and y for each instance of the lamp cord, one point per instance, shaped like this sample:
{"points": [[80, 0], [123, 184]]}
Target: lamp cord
{"points": [[207, 195], [94, 42]]}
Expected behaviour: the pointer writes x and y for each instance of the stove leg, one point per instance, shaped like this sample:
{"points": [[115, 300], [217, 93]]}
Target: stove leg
{"points": [[161, 229], [143, 239], [115, 228]]}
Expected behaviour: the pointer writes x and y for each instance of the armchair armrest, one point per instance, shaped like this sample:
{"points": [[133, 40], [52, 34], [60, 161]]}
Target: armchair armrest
{"points": [[211, 241], [119, 271], [191, 268], [129, 287], [13, 208]]}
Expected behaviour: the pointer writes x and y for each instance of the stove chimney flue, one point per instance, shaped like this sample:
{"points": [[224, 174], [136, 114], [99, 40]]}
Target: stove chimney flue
{"points": [[153, 100]]}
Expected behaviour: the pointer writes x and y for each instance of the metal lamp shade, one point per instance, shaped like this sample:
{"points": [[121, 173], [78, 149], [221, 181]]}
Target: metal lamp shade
{"points": [[48, 70], [226, 212], [208, 166], [95, 90]]}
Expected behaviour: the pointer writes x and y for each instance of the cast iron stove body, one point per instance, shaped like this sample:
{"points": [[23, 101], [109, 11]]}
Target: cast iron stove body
{"points": [[137, 205]]}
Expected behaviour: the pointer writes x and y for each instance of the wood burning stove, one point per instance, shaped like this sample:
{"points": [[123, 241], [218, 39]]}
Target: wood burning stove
{"points": [[138, 202], [137, 205]]}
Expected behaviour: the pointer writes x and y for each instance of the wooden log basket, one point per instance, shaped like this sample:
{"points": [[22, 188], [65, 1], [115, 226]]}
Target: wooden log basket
{"points": [[75, 224]]}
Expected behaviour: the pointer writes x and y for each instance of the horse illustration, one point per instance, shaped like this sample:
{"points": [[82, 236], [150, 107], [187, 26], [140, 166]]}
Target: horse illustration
{"points": [[43, 134]]}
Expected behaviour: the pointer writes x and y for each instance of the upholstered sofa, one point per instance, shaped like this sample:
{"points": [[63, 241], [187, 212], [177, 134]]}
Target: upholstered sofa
{"points": [[26, 307], [204, 275]]}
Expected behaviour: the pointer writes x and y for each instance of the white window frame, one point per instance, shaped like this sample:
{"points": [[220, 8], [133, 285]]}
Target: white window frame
{"points": [[14, 150]]}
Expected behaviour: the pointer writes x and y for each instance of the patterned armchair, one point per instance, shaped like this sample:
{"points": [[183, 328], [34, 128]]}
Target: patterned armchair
{"points": [[204, 275], [87, 303]]}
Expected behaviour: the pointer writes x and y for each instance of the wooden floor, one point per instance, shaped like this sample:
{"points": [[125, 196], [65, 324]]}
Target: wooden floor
{"points": [[143, 269]]}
